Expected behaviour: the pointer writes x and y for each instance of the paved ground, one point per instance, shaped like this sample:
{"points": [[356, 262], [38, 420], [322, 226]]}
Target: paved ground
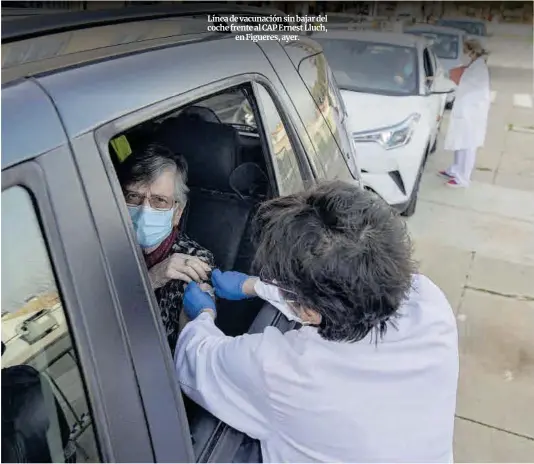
{"points": [[478, 245]]}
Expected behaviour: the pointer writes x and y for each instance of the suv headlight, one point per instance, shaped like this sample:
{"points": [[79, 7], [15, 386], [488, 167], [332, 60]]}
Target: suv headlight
{"points": [[390, 137]]}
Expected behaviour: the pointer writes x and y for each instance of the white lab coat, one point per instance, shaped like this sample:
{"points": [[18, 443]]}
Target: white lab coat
{"points": [[469, 116], [311, 400]]}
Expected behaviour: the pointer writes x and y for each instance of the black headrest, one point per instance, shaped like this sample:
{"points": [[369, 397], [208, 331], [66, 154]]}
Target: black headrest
{"points": [[249, 180], [201, 112], [211, 150]]}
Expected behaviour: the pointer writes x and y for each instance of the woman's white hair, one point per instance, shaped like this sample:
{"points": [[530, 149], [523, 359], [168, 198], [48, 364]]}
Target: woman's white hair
{"points": [[145, 166]]}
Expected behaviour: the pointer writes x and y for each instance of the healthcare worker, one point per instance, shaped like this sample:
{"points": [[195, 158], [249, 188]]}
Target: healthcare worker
{"points": [[370, 375], [469, 116]]}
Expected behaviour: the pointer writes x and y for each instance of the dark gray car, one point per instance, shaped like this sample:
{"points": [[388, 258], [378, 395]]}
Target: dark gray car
{"points": [[269, 121]]}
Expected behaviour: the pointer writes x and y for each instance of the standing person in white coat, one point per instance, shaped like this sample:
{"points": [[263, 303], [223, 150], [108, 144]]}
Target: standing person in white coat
{"points": [[370, 376], [469, 116]]}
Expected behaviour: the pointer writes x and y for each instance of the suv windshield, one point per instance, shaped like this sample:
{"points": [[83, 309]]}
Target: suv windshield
{"points": [[372, 67], [472, 28], [444, 45]]}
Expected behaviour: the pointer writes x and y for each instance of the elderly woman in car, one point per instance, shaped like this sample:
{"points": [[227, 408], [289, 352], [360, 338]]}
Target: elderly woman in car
{"points": [[154, 185]]}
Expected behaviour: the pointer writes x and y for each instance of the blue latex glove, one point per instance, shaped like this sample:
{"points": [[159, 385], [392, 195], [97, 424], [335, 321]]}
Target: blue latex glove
{"points": [[229, 284], [195, 300]]}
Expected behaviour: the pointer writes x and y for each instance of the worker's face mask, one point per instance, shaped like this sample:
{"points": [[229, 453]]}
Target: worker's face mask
{"points": [[293, 315], [289, 310], [283, 302], [151, 226]]}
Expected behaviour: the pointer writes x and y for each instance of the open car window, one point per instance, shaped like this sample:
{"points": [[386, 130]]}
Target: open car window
{"points": [[232, 108]]}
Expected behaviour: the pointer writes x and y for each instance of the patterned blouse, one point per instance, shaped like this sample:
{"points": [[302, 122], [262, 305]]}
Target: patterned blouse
{"points": [[170, 296]]}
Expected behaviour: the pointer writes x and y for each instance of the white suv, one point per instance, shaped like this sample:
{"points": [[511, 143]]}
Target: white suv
{"points": [[395, 91]]}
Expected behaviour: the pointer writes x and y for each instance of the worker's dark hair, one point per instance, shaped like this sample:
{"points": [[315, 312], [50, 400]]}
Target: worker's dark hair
{"points": [[338, 250]]}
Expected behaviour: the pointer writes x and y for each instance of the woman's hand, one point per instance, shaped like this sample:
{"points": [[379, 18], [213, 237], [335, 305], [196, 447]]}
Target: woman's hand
{"points": [[197, 301], [178, 266], [205, 287]]}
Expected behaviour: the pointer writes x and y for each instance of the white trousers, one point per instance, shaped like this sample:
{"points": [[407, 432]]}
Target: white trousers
{"points": [[464, 162]]}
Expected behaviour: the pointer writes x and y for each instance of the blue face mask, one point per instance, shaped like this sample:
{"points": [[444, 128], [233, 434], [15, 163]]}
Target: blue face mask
{"points": [[151, 226]]}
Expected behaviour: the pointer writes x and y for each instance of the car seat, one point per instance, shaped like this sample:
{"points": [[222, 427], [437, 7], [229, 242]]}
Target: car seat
{"points": [[224, 194], [201, 112], [29, 408]]}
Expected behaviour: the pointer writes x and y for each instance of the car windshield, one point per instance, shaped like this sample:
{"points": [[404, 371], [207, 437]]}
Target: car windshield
{"points": [[372, 67], [472, 28], [445, 46]]}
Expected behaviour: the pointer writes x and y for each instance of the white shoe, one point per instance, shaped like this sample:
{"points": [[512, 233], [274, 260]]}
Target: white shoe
{"points": [[445, 175]]}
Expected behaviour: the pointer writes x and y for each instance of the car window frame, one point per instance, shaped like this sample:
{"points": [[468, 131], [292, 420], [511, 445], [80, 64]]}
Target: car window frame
{"points": [[428, 81], [113, 127], [348, 157], [435, 61], [428, 59], [266, 138], [34, 176]]}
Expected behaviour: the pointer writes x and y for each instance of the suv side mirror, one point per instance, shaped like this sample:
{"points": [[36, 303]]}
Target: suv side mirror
{"points": [[443, 85]]}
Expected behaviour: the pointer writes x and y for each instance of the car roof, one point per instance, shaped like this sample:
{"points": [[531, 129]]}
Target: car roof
{"points": [[392, 38], [36, 55], [433, 28], [39, 25], [44, 43], [88, 96], [9, 13], [463, 19]]}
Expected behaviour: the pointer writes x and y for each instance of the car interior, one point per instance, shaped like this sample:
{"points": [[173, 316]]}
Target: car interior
{"points": [[229, 175], [222, 199]]}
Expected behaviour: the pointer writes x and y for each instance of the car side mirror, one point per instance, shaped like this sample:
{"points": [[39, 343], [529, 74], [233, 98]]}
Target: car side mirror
{"points": [[443, 85]]}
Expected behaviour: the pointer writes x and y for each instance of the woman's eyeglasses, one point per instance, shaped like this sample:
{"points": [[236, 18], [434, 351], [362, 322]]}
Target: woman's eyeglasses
{"points": [[158, 202]]}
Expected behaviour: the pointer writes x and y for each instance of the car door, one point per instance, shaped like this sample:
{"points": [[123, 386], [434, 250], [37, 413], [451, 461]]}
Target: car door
{"points": [[173, 85], [61, 323], [434, 102]]}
